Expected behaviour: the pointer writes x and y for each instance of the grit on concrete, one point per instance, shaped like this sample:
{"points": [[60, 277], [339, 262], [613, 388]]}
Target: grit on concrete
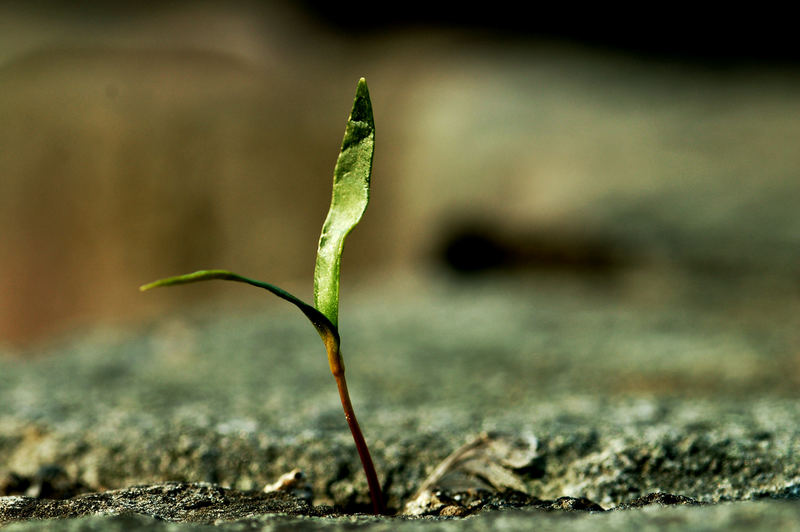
{"points": [[630, 384]]}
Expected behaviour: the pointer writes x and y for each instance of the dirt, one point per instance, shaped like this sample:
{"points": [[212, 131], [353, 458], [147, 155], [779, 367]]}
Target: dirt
{"points": [[540, 386]]}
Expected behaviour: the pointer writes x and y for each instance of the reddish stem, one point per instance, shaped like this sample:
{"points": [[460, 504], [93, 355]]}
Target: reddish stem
{"points": [[363, 452], [336, 364]]}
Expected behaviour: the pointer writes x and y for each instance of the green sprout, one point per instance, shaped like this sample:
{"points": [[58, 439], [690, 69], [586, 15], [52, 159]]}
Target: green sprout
{"points": [[350, 197]]}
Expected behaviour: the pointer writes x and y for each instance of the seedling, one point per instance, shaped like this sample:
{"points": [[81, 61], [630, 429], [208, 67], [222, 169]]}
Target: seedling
{"points": [[351, 178]]}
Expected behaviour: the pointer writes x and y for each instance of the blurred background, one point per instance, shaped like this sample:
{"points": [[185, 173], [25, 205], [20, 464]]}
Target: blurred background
{"points": [[145, 139]]}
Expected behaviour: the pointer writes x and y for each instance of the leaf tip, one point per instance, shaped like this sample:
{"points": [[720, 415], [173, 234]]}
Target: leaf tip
{"points": [[148, 286], [362, 106]]}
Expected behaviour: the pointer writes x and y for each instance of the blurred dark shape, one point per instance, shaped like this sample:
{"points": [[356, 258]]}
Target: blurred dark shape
{"points": [[679, 32], [12, 483], [48, 482], [475, 248]]}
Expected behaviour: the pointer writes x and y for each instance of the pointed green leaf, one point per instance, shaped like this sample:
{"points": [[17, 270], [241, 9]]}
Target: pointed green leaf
{"points": [[348, 203], [323, 325]]}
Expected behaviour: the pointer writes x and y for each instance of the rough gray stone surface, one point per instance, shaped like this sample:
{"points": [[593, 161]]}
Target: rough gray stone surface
{"points": [[631, 385], [192, 503]]}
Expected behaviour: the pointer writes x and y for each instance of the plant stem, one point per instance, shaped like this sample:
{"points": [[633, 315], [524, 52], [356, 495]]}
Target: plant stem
{"points": [[363, 452], [331, 339]]}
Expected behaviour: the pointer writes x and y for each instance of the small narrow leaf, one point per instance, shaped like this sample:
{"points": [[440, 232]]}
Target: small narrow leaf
{"points": [[324, 327], [348, 203]]}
